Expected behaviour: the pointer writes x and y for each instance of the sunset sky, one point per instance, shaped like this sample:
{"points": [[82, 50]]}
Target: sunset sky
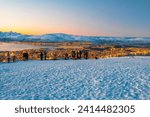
{"points": [[80, 17]]}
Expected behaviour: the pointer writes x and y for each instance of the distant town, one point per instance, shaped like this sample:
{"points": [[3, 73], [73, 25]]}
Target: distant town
{"points": [[72, 50]]}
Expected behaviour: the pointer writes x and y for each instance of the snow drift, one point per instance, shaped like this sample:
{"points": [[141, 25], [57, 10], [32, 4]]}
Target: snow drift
{"points": [[114, 78]]}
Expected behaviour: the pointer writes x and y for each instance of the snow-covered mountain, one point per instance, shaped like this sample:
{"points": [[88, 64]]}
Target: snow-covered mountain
{"points": [[12, 36], [60, 37], [56, 37]]}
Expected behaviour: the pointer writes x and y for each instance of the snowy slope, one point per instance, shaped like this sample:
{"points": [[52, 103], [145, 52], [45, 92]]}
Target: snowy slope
{"points": [[60, 37], [114, 78], [12, 36]]}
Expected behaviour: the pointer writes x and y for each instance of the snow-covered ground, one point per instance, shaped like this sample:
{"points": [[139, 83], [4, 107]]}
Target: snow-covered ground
{"points": [[113, 78]]}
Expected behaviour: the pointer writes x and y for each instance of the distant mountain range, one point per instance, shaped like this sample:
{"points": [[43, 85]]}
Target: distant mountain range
{"points": [[60, 37]]}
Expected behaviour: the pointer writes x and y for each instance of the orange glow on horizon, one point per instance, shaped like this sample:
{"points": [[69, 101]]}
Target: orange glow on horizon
{"points": [[37, 31]]}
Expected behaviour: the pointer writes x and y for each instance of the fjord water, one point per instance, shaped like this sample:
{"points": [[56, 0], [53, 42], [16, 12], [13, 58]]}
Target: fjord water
{"points": [[12, 46]]}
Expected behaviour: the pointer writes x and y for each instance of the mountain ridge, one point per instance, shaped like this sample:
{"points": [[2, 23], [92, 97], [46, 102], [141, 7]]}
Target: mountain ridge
{"points": [[62, 37]]}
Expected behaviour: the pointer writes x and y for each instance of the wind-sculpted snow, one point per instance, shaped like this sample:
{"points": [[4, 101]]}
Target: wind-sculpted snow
{"points": [[114, 78]]}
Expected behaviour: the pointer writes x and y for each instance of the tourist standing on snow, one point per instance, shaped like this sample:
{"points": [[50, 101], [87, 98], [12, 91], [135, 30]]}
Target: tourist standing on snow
{"points": [[41, 56], [66, 56], [8, 57], [79, 54], [45, 55], [13, 57], [86, 54], [73, 54], [25, 56]]}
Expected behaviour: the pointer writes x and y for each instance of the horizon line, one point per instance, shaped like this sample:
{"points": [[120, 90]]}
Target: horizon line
{"points": [[71, 34]]}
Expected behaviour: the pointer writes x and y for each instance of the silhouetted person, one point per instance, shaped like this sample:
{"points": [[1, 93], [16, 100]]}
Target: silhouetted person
{"points": [[25, 56], [79, 54], [86, 54], [66, 56], [73, 54], [45, 55], [13, 58], [8, 57], [41, 56]]}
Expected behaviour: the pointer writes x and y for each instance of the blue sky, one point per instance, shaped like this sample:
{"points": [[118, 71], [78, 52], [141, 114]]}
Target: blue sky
{"points": [[81, 17]]}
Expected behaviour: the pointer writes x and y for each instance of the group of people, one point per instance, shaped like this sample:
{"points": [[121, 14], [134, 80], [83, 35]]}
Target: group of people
{"points": [[25, 55], [10, 58], [79, 54], [43, 56]]}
